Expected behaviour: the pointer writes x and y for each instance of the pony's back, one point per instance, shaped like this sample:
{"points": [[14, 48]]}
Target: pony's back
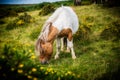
{"points": [[64, 17]]}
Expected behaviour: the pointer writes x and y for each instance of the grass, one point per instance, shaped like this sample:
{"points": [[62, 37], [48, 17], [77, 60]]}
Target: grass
{"points": [[97, 58]]}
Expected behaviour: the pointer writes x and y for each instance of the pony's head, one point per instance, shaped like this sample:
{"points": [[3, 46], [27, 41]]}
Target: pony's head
{"points": [[45, 50]]}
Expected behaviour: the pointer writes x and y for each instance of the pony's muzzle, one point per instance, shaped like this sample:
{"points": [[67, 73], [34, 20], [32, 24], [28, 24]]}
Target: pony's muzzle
{"points": [[44, 62]]}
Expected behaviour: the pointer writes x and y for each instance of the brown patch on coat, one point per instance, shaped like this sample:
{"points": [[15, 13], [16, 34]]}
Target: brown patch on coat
{"points": [[52, 34], [66, 33]]}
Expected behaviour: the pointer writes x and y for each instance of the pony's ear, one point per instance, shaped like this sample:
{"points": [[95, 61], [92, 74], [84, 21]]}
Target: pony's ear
{"points": [[50, 24]]}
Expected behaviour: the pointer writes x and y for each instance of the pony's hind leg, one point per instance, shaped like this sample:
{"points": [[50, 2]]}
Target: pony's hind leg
{"points": [[62, 44], [57, 48]]}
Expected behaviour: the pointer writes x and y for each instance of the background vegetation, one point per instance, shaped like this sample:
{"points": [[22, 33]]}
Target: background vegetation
{"points": [[97, 44]]}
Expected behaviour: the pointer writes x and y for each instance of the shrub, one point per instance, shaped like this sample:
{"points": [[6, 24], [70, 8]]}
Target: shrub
{"points": [[26, 18], [20, 21], [111, 31], [7, 13], [49, 8], [12, 13], [82, 33]]}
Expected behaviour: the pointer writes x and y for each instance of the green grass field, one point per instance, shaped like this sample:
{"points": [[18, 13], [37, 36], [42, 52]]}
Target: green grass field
{"points": [[97, 47]]}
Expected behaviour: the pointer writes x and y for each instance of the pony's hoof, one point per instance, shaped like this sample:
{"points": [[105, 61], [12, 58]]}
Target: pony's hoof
{"points": [[56, 57], [62, 49], [67, 51], [74, 57]]}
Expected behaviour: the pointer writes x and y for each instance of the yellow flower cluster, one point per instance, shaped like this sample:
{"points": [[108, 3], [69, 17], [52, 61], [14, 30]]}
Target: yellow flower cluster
{"points": [[20, 22], [69, 73], [41, 68], [20, 71], [34, 69], [21, 65], [12, 69], [29, 77], [33, 57], [48, 70]]}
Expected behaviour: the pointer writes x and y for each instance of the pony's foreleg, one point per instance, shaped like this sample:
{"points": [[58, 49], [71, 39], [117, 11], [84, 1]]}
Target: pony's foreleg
{"points": [[70, 45], [57, 48]]}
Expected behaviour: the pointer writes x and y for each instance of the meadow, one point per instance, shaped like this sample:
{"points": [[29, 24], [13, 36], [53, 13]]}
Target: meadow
{"points": [[97, 47]]}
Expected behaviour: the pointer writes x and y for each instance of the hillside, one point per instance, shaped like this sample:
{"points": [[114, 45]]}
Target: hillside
{"points": [[97, 47]]}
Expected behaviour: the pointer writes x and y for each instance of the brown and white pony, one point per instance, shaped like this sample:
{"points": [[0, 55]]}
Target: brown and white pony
{"points": [[62, 23]]}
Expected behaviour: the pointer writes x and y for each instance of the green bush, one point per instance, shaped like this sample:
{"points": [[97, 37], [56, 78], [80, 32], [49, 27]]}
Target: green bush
{"points": [[82, 33], [111, 31], [49, 8], [7, 13], [20, 21]]}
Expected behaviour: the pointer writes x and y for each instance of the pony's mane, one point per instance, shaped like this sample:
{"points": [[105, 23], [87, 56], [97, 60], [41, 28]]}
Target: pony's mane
{"points": [[44, 32], [45, 29]]}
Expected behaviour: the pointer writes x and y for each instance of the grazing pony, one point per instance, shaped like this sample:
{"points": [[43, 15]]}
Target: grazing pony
{"points": [[62, 23]]}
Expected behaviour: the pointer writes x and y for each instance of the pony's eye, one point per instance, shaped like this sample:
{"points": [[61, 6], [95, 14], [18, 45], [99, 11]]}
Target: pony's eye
{"points": [[50, 55]]}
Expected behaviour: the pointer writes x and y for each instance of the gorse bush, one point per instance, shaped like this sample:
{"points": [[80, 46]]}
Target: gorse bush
{"points": [[26, 18], [20, 21], [112, 30], [49, 8], [8, 13], [84, 30]]}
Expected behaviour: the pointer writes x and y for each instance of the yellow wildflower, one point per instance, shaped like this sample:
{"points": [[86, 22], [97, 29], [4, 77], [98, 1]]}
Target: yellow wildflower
{"points": [[66, 74], [20, 71], [46, 73], [12, 69], [41, 68], [69, 72], [49, 69], [35, 78], [14, 49], [52, 72], [3, 56], [21, 65], [33, 57], [34, 69], [30, 50], [29, 76], [73, 74], [20, 22], [78, 76]]}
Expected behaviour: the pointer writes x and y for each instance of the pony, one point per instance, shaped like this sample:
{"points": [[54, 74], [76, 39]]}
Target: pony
{"points": [[62, 23]]}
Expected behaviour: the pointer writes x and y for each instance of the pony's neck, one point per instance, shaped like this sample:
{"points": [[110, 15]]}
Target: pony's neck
{"points": [[52, 34]]}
